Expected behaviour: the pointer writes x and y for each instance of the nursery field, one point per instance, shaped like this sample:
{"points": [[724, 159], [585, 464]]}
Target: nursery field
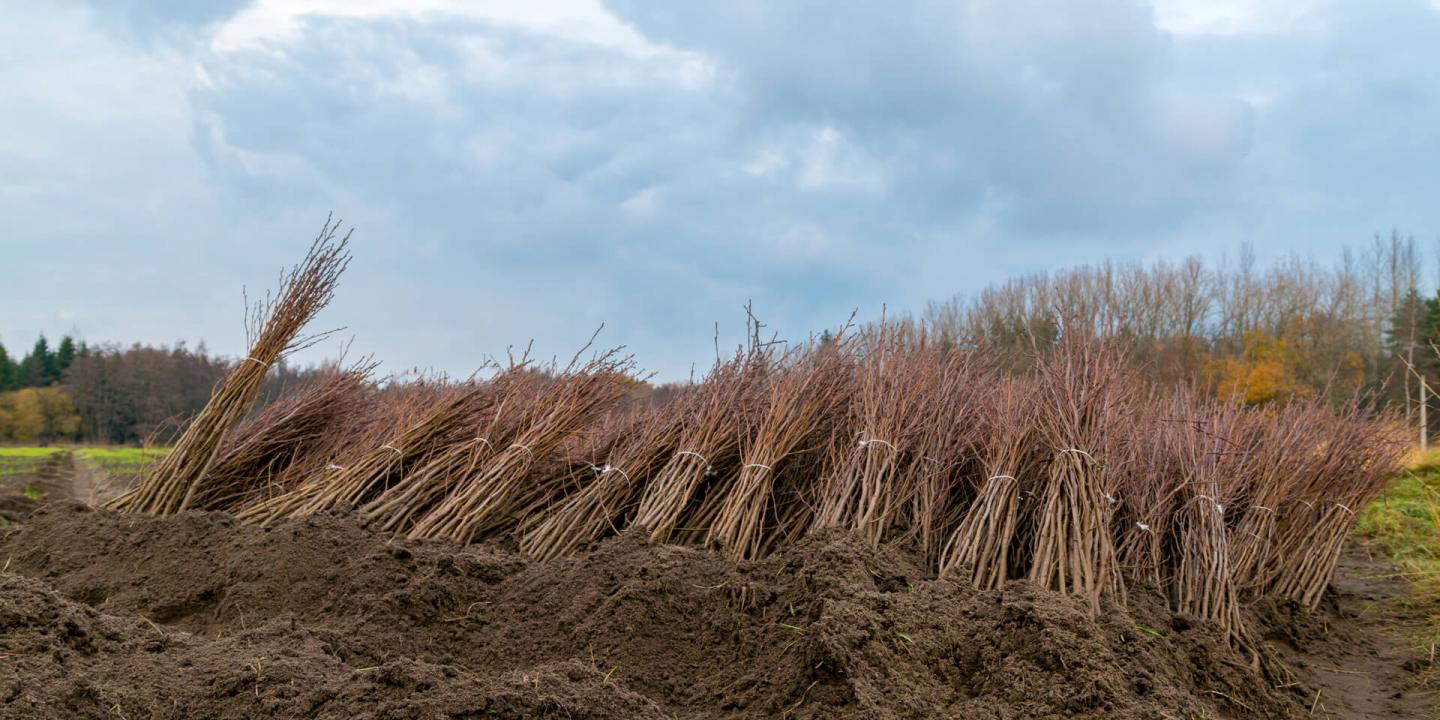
{"points": [[869, 525]]}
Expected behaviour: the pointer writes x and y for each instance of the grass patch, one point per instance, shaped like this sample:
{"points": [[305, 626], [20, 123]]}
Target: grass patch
{"points": [[121, 460], [1405, 522], [22, 460], [112, 460], [28, 453]]}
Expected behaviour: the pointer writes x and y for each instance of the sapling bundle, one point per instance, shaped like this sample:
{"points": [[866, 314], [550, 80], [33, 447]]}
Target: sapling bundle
{"points": [[982, 544], [555, 477], [1084, 390], [297, 434], [1356, 456], [611, 483], [1202, 584], [424, 432], [708, 446], [863, 490], [273, 331], [399, 505], [488, 499], [948, 440], [1150, 472], [1276, 443], [802, 397]]}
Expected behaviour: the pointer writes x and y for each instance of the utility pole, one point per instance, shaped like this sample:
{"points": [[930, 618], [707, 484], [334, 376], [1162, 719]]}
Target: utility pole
{"points": [[1423, 393], [1424, 430]]}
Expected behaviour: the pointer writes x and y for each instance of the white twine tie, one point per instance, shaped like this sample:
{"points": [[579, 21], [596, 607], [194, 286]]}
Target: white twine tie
{"points": [[695, 454], [1218, 507], [608, 468]]}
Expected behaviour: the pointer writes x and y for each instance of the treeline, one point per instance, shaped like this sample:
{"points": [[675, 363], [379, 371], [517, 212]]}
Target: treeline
{"points": [[1296, 328], [77, 392]]}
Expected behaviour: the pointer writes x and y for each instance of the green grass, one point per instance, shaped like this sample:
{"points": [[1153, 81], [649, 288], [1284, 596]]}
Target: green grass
{"points": [[24, 453], [1405, 522], [22, 460], [120, 460], [113, 460]]}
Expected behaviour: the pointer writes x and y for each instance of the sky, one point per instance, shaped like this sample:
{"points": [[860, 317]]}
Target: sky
{"points": [[519, 171]]}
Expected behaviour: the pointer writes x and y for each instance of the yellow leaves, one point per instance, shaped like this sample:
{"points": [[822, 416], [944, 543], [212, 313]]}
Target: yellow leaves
{"points": [[37, 414], [1268, 370]]}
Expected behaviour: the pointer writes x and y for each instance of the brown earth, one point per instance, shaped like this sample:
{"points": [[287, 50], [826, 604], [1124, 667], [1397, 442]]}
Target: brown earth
{"points": [[1354, 655], [196, 616]]}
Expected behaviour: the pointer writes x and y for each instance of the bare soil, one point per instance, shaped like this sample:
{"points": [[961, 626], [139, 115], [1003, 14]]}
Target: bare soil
{"points": [[1356, 656], [106, 615]]}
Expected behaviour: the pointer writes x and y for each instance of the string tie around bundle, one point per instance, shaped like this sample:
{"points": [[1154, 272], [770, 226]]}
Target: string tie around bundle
{"points": [[1110, 498], [258, 361], [392, 447], [1143, 527], [523, 447], [487, 443], [868, 441], [1078, 451], [1342, 507], [1262, 507], [333, 466], [608, 468], [993, 478], [1218, 507], [695, 454], [766, 468]]}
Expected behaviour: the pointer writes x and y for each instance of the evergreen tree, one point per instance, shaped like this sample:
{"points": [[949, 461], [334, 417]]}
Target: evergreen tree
{"points": [[38, 368], [1408, 341], [1408, 325], [9, 372], [64, 355]]}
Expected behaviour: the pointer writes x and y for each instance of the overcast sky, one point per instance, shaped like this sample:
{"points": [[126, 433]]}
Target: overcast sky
{"points": [[520, 170]]}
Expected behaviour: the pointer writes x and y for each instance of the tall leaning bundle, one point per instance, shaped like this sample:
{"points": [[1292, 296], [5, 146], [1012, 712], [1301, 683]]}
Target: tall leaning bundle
{"points": [[275, 328]]}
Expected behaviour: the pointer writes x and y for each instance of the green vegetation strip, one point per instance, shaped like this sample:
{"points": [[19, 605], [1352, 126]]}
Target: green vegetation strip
{"points": [[1405, 523], [113, 460]]}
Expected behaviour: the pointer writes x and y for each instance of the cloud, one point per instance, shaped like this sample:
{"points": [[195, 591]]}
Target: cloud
{"points": [[523, 170], [1237, 17]]}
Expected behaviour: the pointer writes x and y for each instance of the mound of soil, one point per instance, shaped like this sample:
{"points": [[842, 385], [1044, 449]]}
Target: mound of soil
{"points": [[106, 615]]}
